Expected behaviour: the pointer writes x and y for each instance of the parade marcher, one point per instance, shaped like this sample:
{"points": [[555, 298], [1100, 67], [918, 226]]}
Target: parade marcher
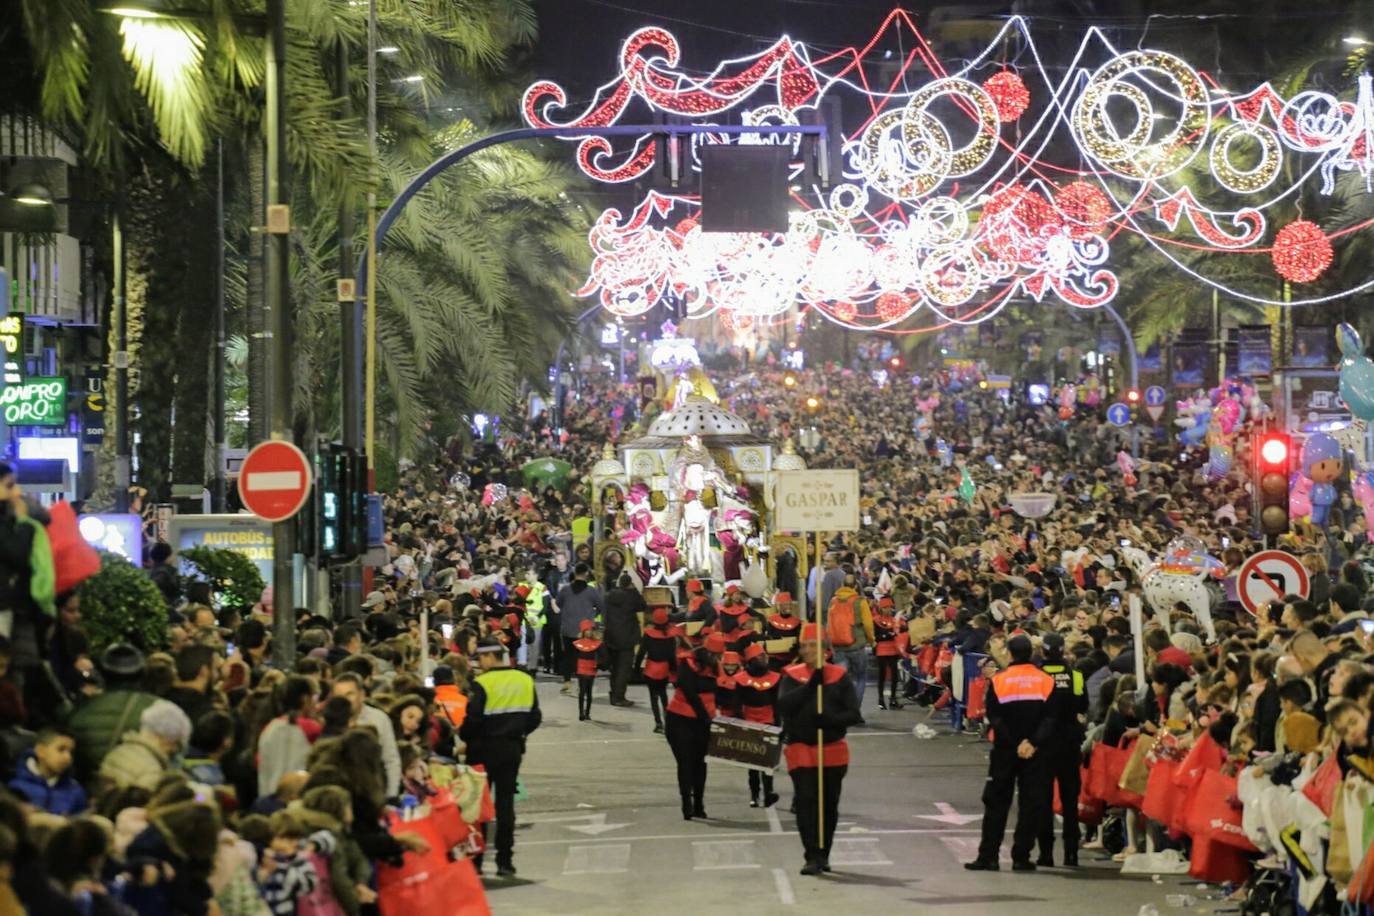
{"points": [[1062, 754], [577, 601], [502, 711], [1018, 711], [886, 629], [587, 650], [785, 624], [757, 687], [658, 644], [727, 694], [688, 722], [816, 767]]}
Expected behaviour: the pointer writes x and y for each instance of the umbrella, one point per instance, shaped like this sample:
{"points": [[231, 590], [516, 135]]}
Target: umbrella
{"points": [[546, 471]]}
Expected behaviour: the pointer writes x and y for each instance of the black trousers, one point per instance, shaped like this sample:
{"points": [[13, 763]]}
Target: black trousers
{"points": [[501, 758], [622, 663], [688, 738], [1062, 767], [756, 777], [567, 658], [887, 671], [805, 794], [584, 694], [1008, 774], [551, 647], [658, 699]]}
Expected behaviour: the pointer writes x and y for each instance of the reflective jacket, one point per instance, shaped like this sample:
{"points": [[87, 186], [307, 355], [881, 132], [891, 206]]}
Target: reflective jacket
{"points": [[503, 704], [1018, 706], [1068, 701]]}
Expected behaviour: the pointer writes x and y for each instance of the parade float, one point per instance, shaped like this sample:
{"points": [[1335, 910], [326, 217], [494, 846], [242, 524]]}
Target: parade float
{"points": [[696, 490]]}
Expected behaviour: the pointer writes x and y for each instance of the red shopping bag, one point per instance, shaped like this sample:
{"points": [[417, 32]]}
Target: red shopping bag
{"points": [[925, 658], [74, 561], [454, 890], [1104, 772], [1206, 754], [1218, 863], [977, 698], [452, 828], [1214, 815], [1161, 795], [1090, 810], [1321, 788]]}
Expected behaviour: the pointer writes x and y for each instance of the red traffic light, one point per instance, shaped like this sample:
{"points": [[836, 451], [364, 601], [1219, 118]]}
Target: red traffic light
{"points": [[1132, 396], [895, 362], [1274, 450]]}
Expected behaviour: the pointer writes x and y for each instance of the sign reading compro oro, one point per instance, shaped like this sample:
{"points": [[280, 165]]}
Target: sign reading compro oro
{"points": [[817, 501]]}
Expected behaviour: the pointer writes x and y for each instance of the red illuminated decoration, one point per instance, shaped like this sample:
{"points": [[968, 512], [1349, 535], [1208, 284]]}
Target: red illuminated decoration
{"points": [[844, 310], [1016, 223], [1085, 209], [1301, 252], [1009, 93], [892, 306]]}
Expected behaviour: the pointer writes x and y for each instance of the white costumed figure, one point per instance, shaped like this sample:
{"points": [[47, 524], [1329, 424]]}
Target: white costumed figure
{"points": [[693, 471]]}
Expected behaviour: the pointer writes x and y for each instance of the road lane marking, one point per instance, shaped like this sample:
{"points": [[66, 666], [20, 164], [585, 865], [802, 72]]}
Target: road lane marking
{"points": [[914, 831], [602, 859], [774, 822], [723, 855], [784, 886]]}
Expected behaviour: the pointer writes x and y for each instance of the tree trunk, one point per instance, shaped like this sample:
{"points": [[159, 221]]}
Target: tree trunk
{"points": [[195, 338], [258, 352]]}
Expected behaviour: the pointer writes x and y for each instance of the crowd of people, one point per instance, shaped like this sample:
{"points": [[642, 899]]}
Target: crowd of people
{"points": [[197, 778]]}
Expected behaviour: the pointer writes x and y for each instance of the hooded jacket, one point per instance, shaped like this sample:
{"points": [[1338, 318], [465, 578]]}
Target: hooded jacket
{"points": [[348, 867], [63, 796]]}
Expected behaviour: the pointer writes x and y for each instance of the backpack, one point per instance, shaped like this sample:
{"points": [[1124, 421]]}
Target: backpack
{"points": [[839, 625]]}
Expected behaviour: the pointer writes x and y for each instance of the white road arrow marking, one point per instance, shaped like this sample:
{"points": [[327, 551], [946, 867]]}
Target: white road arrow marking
{"points": [[949, 816], [595, 826]]}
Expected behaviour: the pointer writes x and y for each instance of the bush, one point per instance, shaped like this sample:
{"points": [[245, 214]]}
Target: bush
{"points": [[231, 575], [121, 604]]}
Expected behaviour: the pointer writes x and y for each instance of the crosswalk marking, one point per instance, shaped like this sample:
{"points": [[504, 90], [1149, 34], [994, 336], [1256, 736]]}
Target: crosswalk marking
{"points": [[858, 852], [602, 859], [719, 855]]}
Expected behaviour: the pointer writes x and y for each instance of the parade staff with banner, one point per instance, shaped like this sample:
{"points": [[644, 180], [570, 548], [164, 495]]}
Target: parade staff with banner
{"points": [[818, 705]]}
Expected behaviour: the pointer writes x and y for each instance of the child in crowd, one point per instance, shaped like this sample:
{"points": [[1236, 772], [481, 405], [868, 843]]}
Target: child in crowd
{"points": [[44, 775], [286, 873], [588, 649], [1298, 731]]}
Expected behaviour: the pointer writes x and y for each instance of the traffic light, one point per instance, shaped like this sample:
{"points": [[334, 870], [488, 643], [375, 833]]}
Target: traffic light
{"points": [[895, 362], [341, 503], [813, 403], [1272, 473], [789, 380], [1133, 397]]}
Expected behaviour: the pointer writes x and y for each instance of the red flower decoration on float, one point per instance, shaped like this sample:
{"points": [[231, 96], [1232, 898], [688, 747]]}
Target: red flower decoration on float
{"points": [[1301, 251], [892, 306], [1008, 93], [1085, 209]]}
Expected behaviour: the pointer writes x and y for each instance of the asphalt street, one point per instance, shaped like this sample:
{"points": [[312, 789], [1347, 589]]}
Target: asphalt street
{"points": [[601, 831]]}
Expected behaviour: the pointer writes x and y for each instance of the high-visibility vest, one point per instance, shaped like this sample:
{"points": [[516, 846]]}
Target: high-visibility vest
{"points": [[508, 691], [451, 700], [1022, 682]]}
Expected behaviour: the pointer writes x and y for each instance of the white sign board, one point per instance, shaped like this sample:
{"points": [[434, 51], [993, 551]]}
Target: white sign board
{"points": [[817, 501]]}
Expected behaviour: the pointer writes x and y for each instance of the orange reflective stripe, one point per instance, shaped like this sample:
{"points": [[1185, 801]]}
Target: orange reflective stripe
{"points": [[1022, 682]]}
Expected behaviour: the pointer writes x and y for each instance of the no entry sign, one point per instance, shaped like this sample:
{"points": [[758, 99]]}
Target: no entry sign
{"points": [[1268, 575], [274, 480]]}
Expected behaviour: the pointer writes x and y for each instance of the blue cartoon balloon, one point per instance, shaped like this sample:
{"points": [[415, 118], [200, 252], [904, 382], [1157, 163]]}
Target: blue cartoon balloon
{"points": [[1322, 460], [1357, 373]]}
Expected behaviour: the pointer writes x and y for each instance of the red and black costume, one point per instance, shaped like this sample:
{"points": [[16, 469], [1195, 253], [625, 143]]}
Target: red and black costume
{"points": [[886, 630], [658, 646], [783, 626], [688, 726], [757, 689], [587, 652]]}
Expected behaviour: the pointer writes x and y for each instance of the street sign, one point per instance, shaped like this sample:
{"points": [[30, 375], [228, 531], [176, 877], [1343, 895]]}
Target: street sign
{"points": [[1154, 396], [1268, 575], [1118, 414], [817, 501], [1155, 411], [274, 480]]}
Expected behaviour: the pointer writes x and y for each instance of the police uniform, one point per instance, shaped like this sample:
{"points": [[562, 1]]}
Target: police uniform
{"points": [[501, 712], [1063, 753], [1018, 711]]}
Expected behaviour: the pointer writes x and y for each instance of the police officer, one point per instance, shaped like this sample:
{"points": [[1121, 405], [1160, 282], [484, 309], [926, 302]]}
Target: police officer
{"points": [[1063, 755], [501, 713], [1019, 713]]}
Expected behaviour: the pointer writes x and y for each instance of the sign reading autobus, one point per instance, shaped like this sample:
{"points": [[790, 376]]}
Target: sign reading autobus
{"points": [[36, 402]]}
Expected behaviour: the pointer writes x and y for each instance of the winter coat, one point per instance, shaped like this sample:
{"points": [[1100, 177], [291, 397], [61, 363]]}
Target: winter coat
{"points": [[63, 796], [282, 748], [135, 761], [348, 867], [623, 605], [100, 722], [187, 894]]}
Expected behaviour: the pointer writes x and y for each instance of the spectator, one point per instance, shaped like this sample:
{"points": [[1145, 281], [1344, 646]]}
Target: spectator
{"points": [[44, 775], [164, 573], [285, 742], [143, 756], [350, 687], [330, 808], [624, 605], [100, 722], [212, 737], [196, 670]]}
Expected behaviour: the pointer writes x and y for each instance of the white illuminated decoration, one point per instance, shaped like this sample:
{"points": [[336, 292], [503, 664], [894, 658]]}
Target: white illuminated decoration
{"points": [[939, 205]]}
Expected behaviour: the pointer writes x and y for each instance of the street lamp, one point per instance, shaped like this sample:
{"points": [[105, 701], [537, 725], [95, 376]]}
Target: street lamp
{"points": [[33, 195], [277, 266]]}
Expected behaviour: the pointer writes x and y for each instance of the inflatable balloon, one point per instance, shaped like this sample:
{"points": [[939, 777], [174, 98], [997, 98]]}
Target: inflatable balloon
{"points": [[1220, 456], [1194, 419], [1364, 492], [1322, 461], [1299, 493], [1068, 395], [1092, 391], [1227, 415], [459, 481], [1357, 373], [1127, 465]]}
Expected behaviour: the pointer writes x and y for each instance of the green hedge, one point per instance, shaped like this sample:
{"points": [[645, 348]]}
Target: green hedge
{"points": [[231, 575], [121, 604]]}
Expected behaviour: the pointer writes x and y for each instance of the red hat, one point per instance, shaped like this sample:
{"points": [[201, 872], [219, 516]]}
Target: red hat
{"points": [[694, 586], [886, 601], [752, 651], [659, 615], [585, 625], [731, 589], [1175, 656], [730, 658], [515, 618], [714, 643], [810, 632], [523, 591], [782, 598]]}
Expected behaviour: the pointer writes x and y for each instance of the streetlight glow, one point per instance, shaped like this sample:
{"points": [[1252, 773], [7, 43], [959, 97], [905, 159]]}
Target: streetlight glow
{"points": [[389, 49], [1355, 41], [33, 195]]}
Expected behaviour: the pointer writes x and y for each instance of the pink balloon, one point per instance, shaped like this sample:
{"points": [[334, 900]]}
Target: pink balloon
{"points": [[1300, 496], [1227, 414]]}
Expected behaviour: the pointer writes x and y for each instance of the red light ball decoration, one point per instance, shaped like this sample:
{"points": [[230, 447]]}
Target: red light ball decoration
{"points": [[892, 306], [733, 321], [1301, 251], [1016, 222], [1008, 93], [1085, 209], [844, 310]]}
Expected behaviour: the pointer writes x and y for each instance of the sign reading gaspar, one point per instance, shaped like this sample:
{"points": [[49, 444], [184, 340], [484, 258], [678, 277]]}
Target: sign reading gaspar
{"points": [[817, 501]]}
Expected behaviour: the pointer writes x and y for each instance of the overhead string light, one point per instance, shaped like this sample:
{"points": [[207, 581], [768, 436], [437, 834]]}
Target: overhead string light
{"points": [[935, 208]]}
